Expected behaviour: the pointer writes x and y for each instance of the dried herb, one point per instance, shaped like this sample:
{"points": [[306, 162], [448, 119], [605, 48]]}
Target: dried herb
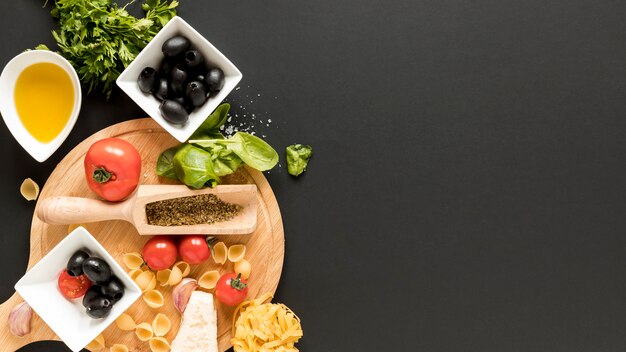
{"points": [[193, 210]]}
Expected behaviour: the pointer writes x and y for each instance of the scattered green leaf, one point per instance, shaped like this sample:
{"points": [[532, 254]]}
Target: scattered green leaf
{"points": [[298, 156], [208, 155], [194, 167], [165, 163]]}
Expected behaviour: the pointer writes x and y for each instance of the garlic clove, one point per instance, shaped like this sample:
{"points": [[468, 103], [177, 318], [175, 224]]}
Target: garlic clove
{"points": [[19, 319], [182, 292]]}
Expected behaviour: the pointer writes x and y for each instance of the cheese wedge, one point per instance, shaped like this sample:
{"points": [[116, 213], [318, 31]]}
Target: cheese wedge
{"points": [[198, 331]]}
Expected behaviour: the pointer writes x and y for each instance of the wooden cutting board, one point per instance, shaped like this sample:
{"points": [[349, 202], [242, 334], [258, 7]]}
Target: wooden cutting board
{"points": [[265, 247]]}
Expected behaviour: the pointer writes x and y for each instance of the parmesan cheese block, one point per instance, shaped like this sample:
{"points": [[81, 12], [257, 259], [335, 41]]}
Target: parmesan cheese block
{"points": [[198, 331]]}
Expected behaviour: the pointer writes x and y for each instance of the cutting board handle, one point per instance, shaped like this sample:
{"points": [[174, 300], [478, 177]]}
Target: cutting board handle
{"points": [[75, 210]]}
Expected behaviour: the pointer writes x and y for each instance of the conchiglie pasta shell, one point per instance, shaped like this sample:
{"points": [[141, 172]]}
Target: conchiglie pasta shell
{"points": [[220, 253], [134, 273], [146, 281], [159, 344], [209, 279], [161, 325], [163, 276], [236, 252], [244, 268], [175, 276], [125, 322], [144, 332], [97, 344], [184, 267], [153, 298], [119, 348], [133, 260], [29, 189]]}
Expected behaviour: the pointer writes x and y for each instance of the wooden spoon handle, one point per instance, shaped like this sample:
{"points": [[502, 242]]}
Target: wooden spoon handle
{"points": [[75, 210]]}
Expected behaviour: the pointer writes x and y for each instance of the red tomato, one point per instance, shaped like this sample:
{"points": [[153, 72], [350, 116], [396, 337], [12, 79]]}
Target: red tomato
{"points": [[160, 252], [73, 286], [112, 168], [231, 289], [194, 249]]}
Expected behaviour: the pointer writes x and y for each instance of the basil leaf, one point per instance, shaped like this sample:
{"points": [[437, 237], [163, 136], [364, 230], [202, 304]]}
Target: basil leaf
{"points": [[253, 151], [210, 126], [194, 167], [298, 156], [225, 162], [165, 163]]}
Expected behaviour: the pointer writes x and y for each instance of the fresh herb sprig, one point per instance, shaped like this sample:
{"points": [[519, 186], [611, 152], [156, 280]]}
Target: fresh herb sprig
{"points": [[101, 39], [208, 155]]}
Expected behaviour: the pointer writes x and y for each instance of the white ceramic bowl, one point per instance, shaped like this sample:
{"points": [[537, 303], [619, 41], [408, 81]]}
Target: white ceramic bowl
{"points": [[152, 56], [68, 318], [38, 150]]}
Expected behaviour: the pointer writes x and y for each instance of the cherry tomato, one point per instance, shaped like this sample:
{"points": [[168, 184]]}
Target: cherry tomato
{"points": [[73, 286], [231, 289], [112, 168], [160, 252], [194, 249]]}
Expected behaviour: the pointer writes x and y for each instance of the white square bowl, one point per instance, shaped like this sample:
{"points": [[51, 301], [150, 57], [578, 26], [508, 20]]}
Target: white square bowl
{"points": [[67, 318], [152, 56]]}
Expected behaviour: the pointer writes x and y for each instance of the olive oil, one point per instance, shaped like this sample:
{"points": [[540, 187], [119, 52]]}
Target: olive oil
{"points": [[44, 99]]}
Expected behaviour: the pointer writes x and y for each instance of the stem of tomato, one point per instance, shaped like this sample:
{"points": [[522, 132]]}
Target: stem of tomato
{"points": [[101, 175], [210, 241], [237, 284]]}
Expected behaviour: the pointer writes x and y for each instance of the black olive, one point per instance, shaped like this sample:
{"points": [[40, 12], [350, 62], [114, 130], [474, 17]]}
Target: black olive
{"points": [[173, 112], [148, 79], [75, 264], [193, 58], [166, 66], [92, 293], [178, 76], [114, 290], [162, 90], [175, 46], [196, 93], [199, 78], [97, 270], [99, 307], [214, 80]]}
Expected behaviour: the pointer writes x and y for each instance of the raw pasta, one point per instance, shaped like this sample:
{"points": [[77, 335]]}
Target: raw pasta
{"points": [[146, 281], [244, 268], [159, 344], [29, 189], [169, 277], [97, 344], [219, 253], [119, 348], [134, 273], [153, 298], [161, 325], [209, 279], [236, 252], [267, 327], [163, 276], [184, 267], [144, 331], [125, 322], [133, 260]]}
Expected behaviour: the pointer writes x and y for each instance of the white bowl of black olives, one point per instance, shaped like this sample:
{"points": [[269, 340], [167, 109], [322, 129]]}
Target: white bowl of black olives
{"points": [[78, 289], [179, 78]]}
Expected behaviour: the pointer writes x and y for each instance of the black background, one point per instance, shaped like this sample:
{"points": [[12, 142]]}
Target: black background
{"points": [[468, 183]]}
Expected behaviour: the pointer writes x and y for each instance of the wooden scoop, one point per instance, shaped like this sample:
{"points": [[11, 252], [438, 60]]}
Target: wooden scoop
{"points": [[75, 210]]}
